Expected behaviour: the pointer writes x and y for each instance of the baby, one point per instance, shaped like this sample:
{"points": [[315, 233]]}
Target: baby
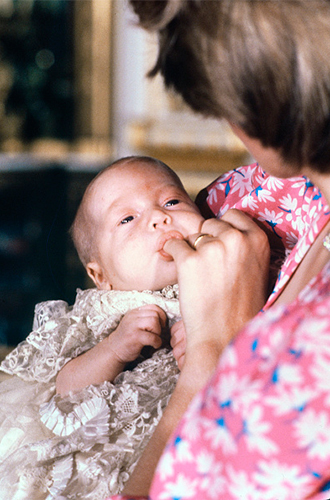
{"points": [[127, 214], [73, 421]]}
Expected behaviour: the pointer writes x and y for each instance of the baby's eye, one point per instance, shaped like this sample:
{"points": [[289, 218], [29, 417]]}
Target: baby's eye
{"points": [[171, 203], [127, 219]]}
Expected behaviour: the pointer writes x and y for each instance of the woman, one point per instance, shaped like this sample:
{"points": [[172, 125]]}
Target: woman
{"points": [[259, 429]]}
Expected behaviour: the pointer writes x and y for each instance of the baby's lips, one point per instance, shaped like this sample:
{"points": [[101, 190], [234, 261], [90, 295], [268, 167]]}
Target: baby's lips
{"points": [[163, 239]]}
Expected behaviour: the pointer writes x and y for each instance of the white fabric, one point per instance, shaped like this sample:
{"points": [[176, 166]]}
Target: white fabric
{"points": [[85, 445]]}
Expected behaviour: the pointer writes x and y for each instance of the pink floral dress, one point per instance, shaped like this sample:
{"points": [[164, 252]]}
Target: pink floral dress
{"points": [[260, 429]]}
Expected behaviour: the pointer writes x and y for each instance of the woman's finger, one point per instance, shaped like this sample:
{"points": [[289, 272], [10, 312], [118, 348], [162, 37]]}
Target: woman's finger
{"points": [[233, 218], [178, 249], [198, 238], [227, 266], [213, 228]]}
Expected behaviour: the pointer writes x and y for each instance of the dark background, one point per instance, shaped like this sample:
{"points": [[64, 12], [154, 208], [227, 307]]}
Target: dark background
{"points": [[38, 198], [37, 258]]}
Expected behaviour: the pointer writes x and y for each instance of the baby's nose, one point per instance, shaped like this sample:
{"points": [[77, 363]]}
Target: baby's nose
{"points": [[160, 218]]}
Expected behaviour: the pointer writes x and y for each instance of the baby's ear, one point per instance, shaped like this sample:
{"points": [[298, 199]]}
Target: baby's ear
{"points": [[95, 272]]}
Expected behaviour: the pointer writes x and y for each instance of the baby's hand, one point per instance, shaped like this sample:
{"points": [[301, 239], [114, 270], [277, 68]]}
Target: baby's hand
{"points": [[178, 342], [138, 328]]}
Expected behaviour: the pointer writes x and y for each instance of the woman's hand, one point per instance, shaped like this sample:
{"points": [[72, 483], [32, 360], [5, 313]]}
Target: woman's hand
{"points": [[223, 280], [222, 285], [178, 342]]}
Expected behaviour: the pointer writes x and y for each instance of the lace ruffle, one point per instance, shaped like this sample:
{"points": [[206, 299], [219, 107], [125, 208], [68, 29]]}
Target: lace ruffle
{"points": [[64, 332], [90, 441]]}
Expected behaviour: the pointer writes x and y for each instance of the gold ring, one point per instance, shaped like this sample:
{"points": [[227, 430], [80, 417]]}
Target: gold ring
{"points": [[198, 239]]}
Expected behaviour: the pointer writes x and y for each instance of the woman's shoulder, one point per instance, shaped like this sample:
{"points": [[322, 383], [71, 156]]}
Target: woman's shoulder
{"points": [[252, 180]]}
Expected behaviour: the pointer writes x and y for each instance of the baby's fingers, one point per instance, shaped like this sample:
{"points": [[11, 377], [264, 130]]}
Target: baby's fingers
{"points": [[147, 338], [153, 315]]}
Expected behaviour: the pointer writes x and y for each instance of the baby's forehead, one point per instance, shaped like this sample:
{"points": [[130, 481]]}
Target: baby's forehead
{"points": [[116, 179], [128, 172]]}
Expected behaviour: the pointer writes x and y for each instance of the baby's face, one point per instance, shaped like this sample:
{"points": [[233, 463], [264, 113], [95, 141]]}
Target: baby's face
{"points": [[138, 208]]}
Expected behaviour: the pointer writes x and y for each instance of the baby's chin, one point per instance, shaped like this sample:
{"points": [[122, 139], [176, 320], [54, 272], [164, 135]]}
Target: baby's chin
{"points": [[156, 285], [160, 285]]}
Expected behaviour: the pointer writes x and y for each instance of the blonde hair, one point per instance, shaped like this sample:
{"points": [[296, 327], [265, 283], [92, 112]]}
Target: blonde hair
{"points": [[85, 226], [264, 65]]}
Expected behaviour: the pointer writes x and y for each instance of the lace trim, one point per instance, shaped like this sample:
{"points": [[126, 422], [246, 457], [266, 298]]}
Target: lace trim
{"points": [[96, 435], [62, 423], [111, 425], [63, 333]]}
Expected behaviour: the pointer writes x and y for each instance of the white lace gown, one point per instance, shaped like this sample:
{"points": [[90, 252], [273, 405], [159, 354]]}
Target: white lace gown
{"points": [[85, 445]]}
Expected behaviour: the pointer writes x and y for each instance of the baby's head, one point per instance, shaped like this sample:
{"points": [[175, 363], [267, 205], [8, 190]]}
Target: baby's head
{"points": [[127, 213]]}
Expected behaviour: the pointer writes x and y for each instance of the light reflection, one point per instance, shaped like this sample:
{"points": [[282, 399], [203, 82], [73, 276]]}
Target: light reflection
{"points": [[45, 59]]}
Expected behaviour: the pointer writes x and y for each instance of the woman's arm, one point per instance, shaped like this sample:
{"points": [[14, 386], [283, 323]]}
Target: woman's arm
{"points": [[196, 372], [222, 286]]}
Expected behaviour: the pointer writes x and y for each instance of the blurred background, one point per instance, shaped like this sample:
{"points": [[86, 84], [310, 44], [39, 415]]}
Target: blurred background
{"points": [[74, 97]]}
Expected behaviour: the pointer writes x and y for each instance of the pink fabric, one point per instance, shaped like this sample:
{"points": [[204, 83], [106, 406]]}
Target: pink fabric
{"points": [[260, 429], [294, 209]]}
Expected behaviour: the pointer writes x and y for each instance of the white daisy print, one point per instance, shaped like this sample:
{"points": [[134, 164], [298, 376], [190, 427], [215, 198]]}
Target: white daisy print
{"points": [[274, 183], [250, 202], [243, 183], [288, 203], [255, 432], [241, 486], [182, 487], [217, 432], [165, 466], [321, 373], [280, 481], [287, 399], [312, 431]]}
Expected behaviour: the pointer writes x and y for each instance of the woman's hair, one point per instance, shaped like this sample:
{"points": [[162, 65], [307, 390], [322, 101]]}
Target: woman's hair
{"points": [[84, 228], [264, 65]]}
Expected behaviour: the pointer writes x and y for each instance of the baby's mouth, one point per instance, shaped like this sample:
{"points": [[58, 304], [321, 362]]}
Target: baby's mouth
{"points": [[163, 239]]}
